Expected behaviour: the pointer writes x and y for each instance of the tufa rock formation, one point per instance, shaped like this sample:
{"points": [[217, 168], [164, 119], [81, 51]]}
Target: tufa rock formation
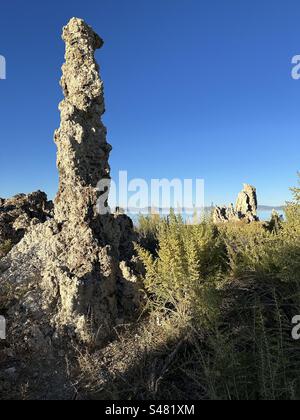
{"points": [[19, 213], [68, 274], [82, 149], [275, 224], [245, 208], [246, 204]]}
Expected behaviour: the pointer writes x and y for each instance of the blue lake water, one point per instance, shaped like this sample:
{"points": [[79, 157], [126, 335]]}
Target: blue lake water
{"points": [[267, 214], [264, 215]]}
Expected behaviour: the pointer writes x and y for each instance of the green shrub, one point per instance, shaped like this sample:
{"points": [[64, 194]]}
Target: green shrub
{"points": [[186, 269], [148, 229]]}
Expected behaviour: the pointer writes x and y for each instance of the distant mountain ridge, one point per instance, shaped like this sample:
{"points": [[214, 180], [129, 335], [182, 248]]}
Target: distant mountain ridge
{"points": [[267, 208]]}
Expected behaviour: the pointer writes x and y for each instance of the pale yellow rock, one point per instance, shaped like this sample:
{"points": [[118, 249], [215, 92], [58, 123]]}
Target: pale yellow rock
{"points": [[245, 208], [247, 201]]}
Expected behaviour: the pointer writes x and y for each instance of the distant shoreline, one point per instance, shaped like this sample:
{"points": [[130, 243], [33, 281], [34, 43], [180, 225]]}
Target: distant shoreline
{"points": [[157, 210]]}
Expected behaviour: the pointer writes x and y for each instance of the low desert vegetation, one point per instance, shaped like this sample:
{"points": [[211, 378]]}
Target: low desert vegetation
{"points": [[226, 295], [217, 324]]}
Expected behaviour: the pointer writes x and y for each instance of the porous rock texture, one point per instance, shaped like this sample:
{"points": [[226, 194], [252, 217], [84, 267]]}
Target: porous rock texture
{"points": [[19, 213], [82, 149], [70, 275], [245, 208]]}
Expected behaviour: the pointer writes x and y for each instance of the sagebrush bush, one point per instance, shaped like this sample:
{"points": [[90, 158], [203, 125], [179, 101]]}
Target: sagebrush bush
{"points": [[187, 266], [148, 229]]}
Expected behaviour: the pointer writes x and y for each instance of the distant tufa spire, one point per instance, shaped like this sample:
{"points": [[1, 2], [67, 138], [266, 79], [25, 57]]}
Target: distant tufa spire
{"points": [[245, 208]]}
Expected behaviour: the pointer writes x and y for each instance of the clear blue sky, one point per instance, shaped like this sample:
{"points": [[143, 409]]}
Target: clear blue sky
{"points": [[193, 88]]}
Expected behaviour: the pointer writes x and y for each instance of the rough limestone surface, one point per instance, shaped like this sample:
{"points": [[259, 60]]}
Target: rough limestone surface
{"points": [[82, 149], [67, 274], [245, 208], [247, 202], [19, 213]]}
